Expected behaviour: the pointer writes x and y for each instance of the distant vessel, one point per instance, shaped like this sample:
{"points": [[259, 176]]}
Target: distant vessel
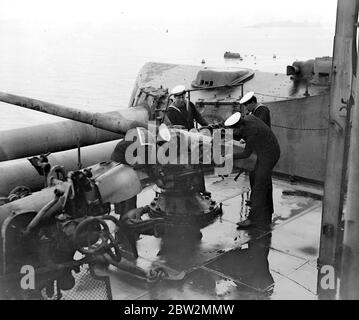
{"points": [[232, 55], [203, 61]]}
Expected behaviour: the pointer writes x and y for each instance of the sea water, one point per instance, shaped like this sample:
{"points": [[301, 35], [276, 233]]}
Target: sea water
{"points": [[93, 66]]}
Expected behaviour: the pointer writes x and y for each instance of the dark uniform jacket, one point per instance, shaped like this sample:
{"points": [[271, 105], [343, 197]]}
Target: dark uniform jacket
{"points": [[180, 116], [262, 112], [259, 138]]}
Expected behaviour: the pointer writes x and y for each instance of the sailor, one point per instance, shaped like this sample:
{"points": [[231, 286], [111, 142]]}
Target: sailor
{"points": [[259, 110], [183, 112], [259, 138]]}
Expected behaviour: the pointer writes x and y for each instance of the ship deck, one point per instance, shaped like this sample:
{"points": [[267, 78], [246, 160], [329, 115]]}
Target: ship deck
{"points": [[228, 264]]}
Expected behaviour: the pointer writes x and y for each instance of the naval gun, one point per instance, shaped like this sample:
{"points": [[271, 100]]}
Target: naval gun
{"points": [[72, 214]]}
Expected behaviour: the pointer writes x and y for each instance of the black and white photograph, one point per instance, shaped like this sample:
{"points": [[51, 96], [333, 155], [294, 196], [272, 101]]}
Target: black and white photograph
{"points": [[179, 157]]}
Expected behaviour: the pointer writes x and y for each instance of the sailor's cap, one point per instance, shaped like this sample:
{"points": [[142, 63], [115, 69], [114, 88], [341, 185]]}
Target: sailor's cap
{"points": [[233, 120], [178, 90], [164, 133], [247, 97]]}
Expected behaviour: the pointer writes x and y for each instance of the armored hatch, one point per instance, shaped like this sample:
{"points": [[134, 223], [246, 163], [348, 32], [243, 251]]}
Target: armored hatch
{"points": [[207, 78]]}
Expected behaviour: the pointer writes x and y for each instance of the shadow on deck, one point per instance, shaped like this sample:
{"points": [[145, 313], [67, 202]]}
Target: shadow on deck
{"points": [[231, 264]]}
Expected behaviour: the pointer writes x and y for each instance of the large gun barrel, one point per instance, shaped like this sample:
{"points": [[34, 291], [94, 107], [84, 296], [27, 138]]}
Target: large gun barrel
{"points": [[51, 137], [20, 172], [124, 120]]}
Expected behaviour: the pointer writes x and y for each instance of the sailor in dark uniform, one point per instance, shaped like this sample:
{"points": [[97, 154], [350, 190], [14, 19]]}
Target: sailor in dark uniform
{"points": [[259, 110], [183, 112], [259, 138]]}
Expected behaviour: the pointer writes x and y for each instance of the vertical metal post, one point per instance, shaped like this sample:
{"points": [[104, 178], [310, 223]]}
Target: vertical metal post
{"points": [[349, 283], [342, 76]]}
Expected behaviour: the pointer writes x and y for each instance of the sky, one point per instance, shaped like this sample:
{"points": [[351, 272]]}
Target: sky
{"points": [[246, 12]]}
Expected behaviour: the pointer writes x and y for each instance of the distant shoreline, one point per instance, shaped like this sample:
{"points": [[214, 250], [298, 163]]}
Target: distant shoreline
{"points": [[286, 24]]}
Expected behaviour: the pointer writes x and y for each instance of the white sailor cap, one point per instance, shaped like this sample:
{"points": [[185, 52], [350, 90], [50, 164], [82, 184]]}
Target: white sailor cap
{"points": [[164, 133], [178, 90], [233, 119], [247, 97]]}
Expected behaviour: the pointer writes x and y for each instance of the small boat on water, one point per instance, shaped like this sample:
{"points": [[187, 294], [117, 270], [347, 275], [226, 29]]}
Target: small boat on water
{"points": [[232, 55]]}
